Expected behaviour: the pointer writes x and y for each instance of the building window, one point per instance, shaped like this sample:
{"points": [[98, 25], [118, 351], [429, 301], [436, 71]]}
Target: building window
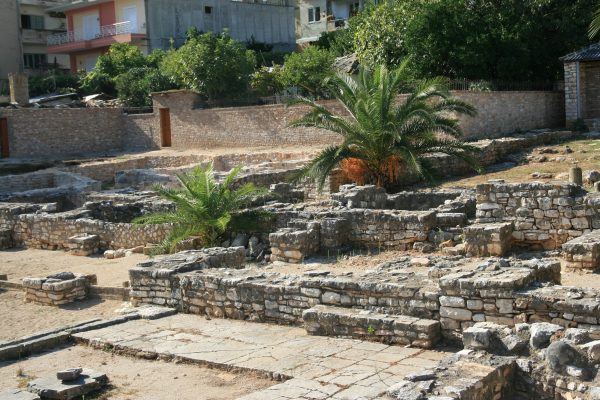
{"points": [[208, 10], [33, 61], [32, 21], [314, 14]]}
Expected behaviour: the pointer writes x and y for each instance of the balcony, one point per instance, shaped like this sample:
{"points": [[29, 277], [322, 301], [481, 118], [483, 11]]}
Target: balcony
{"points": [[122, 32]]}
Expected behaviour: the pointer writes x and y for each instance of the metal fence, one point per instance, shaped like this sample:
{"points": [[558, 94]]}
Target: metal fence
{"points": [[501, 86]]}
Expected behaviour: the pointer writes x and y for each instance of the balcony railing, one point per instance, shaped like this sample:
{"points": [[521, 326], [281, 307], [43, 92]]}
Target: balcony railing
{"points": [[105, 31]]}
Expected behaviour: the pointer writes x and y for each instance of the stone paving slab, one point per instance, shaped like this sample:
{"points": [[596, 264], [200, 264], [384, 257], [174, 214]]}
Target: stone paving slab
{"points": [[313, 367]]}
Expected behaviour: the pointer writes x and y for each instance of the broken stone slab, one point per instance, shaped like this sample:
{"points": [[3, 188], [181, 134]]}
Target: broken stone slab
{"points": [[18, 394], [541, 332], [62, 276], [69, 374], [53, 388]]}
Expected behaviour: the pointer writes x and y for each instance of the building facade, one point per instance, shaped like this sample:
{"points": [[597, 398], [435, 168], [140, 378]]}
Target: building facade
{"points": [[313, 17], [582, 86], [10, 42], [93, 25], [37, 23]]}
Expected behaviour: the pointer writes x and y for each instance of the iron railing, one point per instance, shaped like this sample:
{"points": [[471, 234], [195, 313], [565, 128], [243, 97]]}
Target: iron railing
{"points": [[79, 36]]}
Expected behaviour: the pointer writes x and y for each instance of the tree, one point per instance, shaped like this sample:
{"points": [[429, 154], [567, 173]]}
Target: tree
{"points": [[496, 39], [120, 59], [382, 139], [308, 69], [134, 86], [214, 66], [380, 32], [204, 208]]}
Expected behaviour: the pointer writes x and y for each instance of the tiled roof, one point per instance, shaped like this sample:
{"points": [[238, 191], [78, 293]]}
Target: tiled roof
{"points": [[590, 53]]}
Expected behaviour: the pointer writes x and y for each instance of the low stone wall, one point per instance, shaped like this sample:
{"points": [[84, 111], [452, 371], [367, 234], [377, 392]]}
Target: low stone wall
{"points": [[345, 322], [47, 186], [56, 290], [544, 215], [52, 231], [583, 252]]}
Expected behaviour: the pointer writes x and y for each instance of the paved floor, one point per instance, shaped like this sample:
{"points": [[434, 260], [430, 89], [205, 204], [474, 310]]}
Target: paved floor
{"points": [[316, 367]]}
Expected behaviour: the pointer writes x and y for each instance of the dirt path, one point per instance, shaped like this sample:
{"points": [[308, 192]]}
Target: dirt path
{"points": [[136, 378], [18, 264], [20, 318]]}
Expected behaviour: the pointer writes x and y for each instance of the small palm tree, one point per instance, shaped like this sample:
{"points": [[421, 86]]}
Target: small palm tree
{"points": [[204, 208], [384, 138]]}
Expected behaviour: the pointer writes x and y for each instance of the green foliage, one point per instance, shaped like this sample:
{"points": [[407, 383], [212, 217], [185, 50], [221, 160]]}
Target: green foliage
{"points": [[52, 82], [120, 58], [380, 32], [496, 39], [308, 69], [214, 66], [384, 138], [340, 42], [204, 208], [594, 28], [267, 81], [96, 82], [134, 86]]}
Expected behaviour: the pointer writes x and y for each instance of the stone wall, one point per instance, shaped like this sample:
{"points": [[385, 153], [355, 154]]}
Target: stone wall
{"points": [[500, 113], [571, 111], [544, 215], [52, 231], [57, 290], [49, 133], [141, 131]]}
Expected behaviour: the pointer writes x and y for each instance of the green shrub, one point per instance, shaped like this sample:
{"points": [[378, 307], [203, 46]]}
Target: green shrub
{"points": [[52, 82], [267, 81], [214, 66], [134, 86], [308, 69]]}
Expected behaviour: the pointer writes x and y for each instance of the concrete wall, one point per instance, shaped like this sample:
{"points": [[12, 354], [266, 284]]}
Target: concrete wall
{"points": [[267, 23], [10, 42]]}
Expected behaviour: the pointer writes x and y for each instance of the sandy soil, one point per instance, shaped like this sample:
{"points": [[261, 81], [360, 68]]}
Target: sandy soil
{"points": [[31, 262], [132, 378], [20, 318], [581, 279], [585, 154]]}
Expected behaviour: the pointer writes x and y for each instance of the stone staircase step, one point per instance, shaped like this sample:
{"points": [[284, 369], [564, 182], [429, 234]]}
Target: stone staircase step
{"points": [[368, 325]]}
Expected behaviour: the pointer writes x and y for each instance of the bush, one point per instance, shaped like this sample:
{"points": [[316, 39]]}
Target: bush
{"points": [[96, 82], [267, 81], [134, 86], [308, 69], [52, 82], [214, 66]]}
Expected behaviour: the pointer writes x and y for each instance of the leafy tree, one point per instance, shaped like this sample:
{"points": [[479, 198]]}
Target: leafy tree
{"points": [[134, 86], [204, 208], [496, 39], [380, 31], [308, 69], [52, 82], [119, 59], [383, 139], [267, 81], [214, 66]]}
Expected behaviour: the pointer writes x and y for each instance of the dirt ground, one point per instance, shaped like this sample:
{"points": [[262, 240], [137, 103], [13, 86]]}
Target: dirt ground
{"points": [[585, 154], [20, 318], [132, 378], [21, 263]]}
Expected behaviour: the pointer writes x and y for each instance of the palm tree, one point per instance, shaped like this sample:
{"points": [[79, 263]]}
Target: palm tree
{"points": [[203, 207], [595, 25], [384, 138]]}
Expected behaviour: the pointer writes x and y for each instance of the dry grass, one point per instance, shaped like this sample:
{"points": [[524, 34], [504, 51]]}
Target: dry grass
{"points": [[586, 154]]}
